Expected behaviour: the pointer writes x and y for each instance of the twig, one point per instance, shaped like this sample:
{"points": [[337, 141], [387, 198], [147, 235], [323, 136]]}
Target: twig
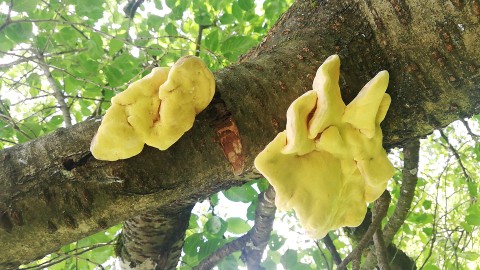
{"points": [[57, 93], [24, 59], [469, 130], [252, 243], [323, 255], [65, 19], [332, 249], [8, 20], [198, 42], [381, 250], [457, 156], [381, 206]]}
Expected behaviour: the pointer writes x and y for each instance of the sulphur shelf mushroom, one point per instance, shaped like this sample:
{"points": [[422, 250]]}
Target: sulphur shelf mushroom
{"points": [[155, 110], [333, 151]]}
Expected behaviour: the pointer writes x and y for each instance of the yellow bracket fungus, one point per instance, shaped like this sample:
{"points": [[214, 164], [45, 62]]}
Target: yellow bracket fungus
{"points": [[329, 162], [157, 110]]}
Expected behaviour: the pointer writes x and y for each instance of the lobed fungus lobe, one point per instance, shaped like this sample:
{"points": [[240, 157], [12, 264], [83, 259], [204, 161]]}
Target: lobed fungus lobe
{"points": [[333, 153], [155, 110]]}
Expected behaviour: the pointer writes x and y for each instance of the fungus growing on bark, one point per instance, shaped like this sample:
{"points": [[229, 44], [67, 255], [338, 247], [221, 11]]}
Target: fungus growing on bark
{"points": [[329, 167], [157, 110]]}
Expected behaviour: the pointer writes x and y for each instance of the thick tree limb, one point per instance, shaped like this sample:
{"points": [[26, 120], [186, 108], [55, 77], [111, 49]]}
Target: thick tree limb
{"points": [[52, 189], [157, 236]]}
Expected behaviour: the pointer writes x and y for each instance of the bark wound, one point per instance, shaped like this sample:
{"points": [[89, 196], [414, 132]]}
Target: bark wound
{"points": [[222, 121], [447, 69], [476, 7], [5, 222], [402, 11], [457, 3], [70, 164]]}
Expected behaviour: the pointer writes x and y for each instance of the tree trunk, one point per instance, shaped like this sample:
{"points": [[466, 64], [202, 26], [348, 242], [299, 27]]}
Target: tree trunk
{"points": [[156, 236], [52, 191]]}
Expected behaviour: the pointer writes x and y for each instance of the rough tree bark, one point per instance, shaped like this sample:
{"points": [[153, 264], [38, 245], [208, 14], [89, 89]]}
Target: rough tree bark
{"points": [[53, 192]]}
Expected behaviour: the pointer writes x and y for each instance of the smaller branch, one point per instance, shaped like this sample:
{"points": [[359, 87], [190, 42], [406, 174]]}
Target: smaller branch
{"points": [[65, 19], [23, 59], [457, 156], [131, 8], [57, 93], [198, 41], [381, 250], [8, 20], [252, 243], [407, 190], [323, 255], [381, 207], [332, 249], [469, 130]]}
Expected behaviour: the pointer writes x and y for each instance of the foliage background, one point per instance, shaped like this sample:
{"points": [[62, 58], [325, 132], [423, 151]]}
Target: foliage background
{"points": [[62, 61]]}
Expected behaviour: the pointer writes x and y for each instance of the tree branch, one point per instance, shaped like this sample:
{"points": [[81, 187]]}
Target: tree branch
{"points": [[469, 130], [381, 207], [8, 20], [381, 250], [457, 156], [407, 190], [252, 243], [57, 92], [332, 249]]}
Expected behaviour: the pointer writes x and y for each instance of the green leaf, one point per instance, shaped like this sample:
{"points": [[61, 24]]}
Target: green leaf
{"points": [[211, 40], [91, 9], [289, 259], [473, 219], [246, 4], [209, 247], [430, 267], [237, 225], [193, 243], [5, 43], [19, 32], [114, 46], [276, 242], [203, 17], [229, 262], [472, 188], [236, 45], [244, 194], [237, 11], [158, 4], [227, 18], [171, 3], [25, 5], [427, 204], [35, 84], [193, 221], [171, 30], [156, 50], [469, 255]]}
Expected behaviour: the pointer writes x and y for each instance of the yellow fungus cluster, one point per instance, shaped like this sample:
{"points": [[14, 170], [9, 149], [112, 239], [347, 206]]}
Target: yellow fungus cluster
{"points": [[155, 110], [329, 162]]}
